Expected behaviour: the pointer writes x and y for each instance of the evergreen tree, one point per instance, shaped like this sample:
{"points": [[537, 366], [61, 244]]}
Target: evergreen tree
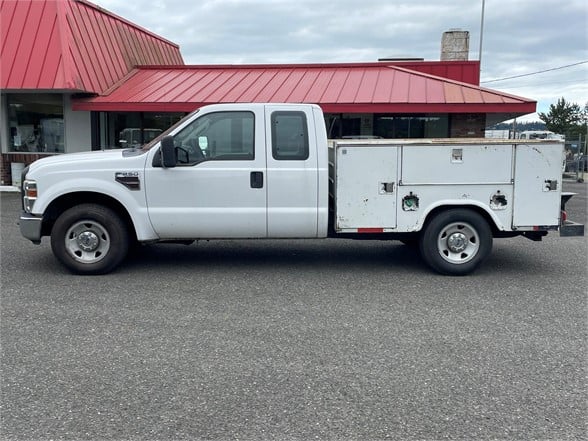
{"points": [[564, 118]]}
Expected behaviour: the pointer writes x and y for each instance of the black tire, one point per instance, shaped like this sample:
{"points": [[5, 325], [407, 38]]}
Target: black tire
{"points": [[90, 239], [455, 242]]}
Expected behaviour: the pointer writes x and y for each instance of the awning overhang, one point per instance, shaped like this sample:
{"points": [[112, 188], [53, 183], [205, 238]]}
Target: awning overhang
{"points": [[336, 88]]}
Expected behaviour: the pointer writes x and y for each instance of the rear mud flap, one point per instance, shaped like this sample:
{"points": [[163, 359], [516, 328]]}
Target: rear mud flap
{"points": [[569, 228]]}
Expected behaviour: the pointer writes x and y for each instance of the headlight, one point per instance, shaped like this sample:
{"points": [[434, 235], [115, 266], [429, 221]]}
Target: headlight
{"points": [[29, 194]]}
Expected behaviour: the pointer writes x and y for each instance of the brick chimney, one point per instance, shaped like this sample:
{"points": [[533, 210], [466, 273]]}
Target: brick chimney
{"points": [[455, 45]]}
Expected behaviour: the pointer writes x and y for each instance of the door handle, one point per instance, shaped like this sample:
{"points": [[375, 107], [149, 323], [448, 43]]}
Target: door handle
{"points": [[256, 179]]}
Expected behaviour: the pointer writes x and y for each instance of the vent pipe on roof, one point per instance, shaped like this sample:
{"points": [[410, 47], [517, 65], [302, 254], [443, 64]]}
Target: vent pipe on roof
{"points": [[455, 45], [395, 59]]}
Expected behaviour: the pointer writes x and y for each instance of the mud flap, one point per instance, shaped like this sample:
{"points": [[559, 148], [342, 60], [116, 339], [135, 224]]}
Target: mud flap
{"points": [[568, 228]]}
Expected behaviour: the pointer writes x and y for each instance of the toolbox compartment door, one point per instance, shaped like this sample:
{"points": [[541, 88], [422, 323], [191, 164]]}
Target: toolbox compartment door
{"points": [[537, 185], [367, 186]]}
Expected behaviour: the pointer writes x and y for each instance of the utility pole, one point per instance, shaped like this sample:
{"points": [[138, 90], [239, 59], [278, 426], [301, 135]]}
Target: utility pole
{"points": [[481, 35]]}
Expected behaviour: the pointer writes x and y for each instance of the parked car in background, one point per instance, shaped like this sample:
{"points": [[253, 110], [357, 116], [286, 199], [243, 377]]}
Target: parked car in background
{"points": [[540, 134], [131, 137]]}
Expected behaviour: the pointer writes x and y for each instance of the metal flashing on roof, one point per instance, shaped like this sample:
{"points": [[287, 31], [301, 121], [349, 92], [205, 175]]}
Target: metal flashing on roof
{"points": [[127, 22]]}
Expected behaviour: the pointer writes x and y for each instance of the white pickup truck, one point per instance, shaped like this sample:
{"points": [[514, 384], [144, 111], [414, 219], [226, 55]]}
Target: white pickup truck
{"points": [[268, 171]]}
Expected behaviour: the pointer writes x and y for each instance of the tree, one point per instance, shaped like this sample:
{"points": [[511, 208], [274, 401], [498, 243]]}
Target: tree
{"points": [[565, 118], [579, 130]]}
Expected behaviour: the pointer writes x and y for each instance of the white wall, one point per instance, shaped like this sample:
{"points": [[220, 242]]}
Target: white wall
{"points": [[78, 128]]}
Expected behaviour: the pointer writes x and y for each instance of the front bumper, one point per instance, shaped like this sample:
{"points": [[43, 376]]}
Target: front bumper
{"points": [[30, 226]]}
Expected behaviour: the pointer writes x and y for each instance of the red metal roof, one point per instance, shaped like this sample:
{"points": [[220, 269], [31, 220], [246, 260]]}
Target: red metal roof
{"points": [[348, 88], [464, 71], [73, 45]]}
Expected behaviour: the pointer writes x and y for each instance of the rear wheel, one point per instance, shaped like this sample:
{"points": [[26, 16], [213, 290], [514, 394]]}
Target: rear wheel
{"points": [[90, 239], [456, 241]]}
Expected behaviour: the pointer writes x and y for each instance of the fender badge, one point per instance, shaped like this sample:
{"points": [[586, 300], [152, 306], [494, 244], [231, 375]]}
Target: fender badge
{"points": [[128, 179]]}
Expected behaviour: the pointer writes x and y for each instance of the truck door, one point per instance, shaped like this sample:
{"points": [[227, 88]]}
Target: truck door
{"points": [[219, 187], [292, 172]]}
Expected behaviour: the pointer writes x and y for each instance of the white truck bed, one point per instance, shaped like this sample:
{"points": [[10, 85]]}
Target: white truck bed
{"points": [[407, 179]]}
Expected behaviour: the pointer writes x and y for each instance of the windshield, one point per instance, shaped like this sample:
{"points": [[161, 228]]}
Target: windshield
{"points": [[155, 140]]}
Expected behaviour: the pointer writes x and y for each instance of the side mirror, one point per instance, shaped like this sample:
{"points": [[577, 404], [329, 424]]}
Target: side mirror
{"points": [[169, 157]]}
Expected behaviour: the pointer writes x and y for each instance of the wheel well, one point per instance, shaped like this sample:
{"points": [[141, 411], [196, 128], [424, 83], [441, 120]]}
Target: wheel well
{"points": [[67, 201], [473, 208]]}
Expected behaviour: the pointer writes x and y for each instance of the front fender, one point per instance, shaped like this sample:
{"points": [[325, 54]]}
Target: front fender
{"points": [[133, 201]]}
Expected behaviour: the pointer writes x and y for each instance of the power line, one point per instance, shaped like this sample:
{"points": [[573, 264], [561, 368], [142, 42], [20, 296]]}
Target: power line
{"points": [[550, 83], [535, 73]]}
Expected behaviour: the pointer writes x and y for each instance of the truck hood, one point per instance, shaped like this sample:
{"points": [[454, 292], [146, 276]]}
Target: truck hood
{"points": [[102, 159]]}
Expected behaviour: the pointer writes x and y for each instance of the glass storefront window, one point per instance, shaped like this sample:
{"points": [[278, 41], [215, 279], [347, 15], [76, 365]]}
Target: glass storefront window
{"points": [[35, 122], [344, 126], [133, 129], [411, 126], [388, 126]]}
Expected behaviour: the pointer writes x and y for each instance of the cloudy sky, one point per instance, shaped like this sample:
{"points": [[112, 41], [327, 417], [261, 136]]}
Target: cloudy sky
{"points": [[520, 36]]}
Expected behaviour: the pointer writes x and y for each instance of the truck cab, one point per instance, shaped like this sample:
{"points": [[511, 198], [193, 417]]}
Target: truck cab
{"points": [[250, 171]]}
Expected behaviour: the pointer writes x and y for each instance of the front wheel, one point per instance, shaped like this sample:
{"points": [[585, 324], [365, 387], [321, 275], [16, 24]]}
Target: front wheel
{"points": [[456, 241], [90, 239]]}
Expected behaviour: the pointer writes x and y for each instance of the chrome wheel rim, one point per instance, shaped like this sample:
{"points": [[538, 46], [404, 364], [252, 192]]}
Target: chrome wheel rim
{"points": [[87, 241], [458, 243]]}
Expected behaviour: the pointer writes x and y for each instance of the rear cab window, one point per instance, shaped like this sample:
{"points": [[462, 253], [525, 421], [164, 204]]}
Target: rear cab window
{"points": [[289, 136]]}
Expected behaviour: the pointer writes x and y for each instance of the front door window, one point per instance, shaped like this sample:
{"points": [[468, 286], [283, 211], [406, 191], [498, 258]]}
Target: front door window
{"points": [[220, 136]]}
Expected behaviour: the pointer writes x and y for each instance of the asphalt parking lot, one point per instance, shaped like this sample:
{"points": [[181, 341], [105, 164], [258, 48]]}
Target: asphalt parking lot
{"points": [[330, 339]]}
